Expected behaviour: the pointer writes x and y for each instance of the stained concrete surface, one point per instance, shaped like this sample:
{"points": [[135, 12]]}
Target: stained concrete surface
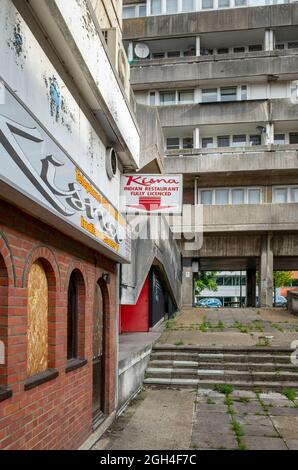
{"points": [[177, 419]]}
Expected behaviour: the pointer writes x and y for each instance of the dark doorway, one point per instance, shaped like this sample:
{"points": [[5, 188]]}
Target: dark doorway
{"points": [[98, 356], [157, 298]]}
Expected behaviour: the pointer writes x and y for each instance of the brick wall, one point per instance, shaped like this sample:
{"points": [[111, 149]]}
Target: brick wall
{"points": [[56, 414]]}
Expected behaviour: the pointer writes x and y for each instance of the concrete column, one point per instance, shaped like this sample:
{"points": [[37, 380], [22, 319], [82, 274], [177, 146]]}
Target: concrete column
{"points": [[198, 46], [130, 52], [269, 135], [266, 272], [196, 138], [251, 287], [187, 283], [269, 40]]}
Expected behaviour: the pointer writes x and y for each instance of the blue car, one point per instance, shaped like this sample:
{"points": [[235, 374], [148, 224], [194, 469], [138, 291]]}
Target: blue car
{"points": [[209, 303], [280, 301]]}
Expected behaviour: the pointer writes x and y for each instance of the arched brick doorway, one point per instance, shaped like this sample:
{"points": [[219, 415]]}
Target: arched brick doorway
{"points": [[98, 394]]}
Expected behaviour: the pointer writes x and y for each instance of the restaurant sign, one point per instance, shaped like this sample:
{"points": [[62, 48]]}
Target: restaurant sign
{"points": [[151, 193], [35, 165]]}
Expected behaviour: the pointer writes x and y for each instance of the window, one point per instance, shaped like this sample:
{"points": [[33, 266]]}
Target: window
{"points": [[255, 47], [239, 49], [280, 195], [209, 95], [293, 137], [221, 196], [279, 46], [255, 139], [158, 55], [167, 97], [243, 92], [239, 140], [129, 12], [152, 98], [155, 7], [142, 10], [207, 142], [188, 143], [240, 3], [173, 54], [223, 141], [279, 139], [228, 93], [223, 3], [173, 143], [72, 320], [187, 5], [186, 96], [254, 196], [237, 196], [38, 307], [294, 194], [206, 197], [207, 4], [224, 50], [293, 45], [171, 6]]}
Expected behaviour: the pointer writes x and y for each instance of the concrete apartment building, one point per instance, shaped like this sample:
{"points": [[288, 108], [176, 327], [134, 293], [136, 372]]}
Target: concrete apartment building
{"points": [[222, 75]]}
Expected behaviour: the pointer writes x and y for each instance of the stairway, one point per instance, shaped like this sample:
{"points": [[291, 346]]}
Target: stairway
{"points": [[263, 369]]}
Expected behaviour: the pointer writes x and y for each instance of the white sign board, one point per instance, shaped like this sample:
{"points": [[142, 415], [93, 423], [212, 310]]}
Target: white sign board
{"points": [[33, 164], [156, 194]]}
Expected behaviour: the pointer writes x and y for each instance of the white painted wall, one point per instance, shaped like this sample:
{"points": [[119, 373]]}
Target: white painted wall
{"points": [[29, 73]]}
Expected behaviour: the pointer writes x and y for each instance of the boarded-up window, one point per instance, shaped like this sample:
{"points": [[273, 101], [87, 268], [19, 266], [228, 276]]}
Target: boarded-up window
{"points": [[37, 320]]}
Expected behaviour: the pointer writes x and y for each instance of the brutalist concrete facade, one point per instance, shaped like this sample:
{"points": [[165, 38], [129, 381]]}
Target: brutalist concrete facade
{"points": [[224, 82]]}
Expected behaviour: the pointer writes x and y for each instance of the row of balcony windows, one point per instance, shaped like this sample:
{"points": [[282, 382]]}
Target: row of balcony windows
{"points": [[256, 91], [167, 7], [237, 140], [205, 51], [247, 195]]}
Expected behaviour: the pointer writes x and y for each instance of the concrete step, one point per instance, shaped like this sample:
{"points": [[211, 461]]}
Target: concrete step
{"points": [[223, 350], [209, 384], [220, 357], [241, 366], [228, 375]]}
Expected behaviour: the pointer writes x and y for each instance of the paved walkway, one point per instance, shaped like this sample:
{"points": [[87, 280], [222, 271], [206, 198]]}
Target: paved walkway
{"points": [[170, 419], [231, 327]]}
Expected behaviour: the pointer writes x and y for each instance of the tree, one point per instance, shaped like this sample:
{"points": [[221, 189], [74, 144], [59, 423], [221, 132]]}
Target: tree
{"points": [[206, 280], [282, 278]]}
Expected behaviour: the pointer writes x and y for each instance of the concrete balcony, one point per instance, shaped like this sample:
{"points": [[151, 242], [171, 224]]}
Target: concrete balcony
{"points": [[187, 24], [199, 114], [232, 159], [218, 113], [250, 218], [229, 67]]}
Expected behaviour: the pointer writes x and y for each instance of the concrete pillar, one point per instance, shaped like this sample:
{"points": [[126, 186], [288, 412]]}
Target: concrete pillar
{"points": [[198, 46], [266, 272], [251, 287], [130, 52], [269, 40], [187, 283], [269, 135], [196, 138]]}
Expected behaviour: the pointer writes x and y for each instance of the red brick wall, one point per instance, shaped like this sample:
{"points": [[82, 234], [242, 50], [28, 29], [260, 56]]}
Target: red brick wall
{"points": [[56, 414]]}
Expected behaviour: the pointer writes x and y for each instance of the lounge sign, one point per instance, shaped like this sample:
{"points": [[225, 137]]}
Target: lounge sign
{"points": [[151, 193], [35, 165]]}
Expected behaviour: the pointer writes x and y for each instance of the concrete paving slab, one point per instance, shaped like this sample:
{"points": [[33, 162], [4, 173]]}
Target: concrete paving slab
{"points": [[154, 422], [253, 419], [292, 444], [244, 393], [287, 426], [255, 430], [264, 443], [247, 408], [213, 441], [283, 411]]}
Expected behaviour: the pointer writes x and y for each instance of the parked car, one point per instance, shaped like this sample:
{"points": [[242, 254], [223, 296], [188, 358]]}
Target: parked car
{"points": [[209, 303], [280, 301]]}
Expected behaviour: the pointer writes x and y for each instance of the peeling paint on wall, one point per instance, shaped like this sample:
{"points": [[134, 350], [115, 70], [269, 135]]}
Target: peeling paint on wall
{"points": [[86, 19], [58, 106], [16, 39]]}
